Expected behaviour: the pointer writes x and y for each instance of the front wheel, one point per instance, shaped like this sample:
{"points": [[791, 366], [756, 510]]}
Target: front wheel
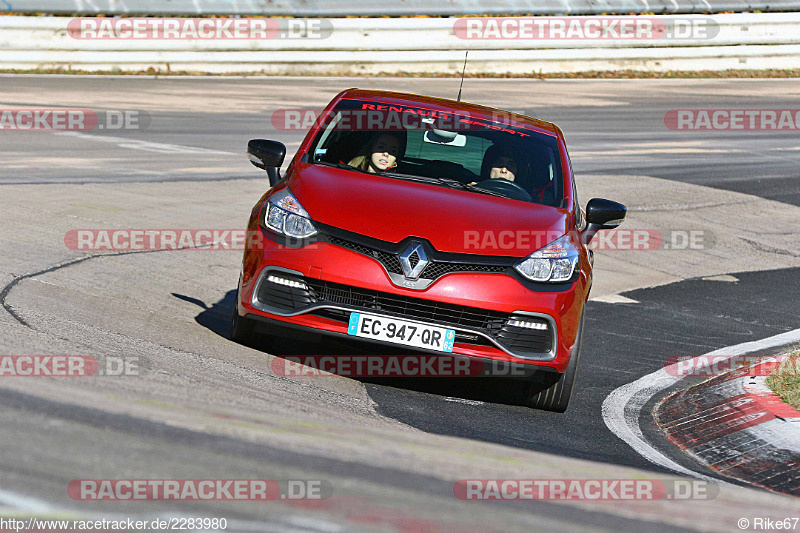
{"points": [[242, 330], [550, 391]]}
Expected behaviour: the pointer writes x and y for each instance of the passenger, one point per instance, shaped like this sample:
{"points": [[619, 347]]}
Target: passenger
{"points": [[382, 154]]}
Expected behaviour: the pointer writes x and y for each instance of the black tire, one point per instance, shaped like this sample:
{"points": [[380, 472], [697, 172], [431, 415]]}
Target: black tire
{"points": [[550, 391], [246, 331], [243, 330]]}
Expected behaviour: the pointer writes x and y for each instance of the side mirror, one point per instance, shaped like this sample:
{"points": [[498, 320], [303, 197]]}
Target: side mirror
{"points": [[602, 214], [268, 155]]}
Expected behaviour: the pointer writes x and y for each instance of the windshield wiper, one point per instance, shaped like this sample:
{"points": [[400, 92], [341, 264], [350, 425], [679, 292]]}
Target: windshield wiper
{"points": [[455, 184], [486, 191], [410, 177], [449, 182]]}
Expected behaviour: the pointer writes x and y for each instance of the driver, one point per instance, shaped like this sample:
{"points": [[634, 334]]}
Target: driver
{"points": [[504, 167], [500, 162]]}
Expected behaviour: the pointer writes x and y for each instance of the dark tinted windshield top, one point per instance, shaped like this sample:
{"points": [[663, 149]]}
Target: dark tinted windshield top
{"points": [[484, 156]]}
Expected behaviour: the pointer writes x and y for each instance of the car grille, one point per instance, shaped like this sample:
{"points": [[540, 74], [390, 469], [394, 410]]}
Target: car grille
{"points": [[434, 270], [391, 262], [319, 294]]}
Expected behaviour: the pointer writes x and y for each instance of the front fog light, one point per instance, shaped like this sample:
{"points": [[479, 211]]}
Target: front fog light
{"points": [[286, 282], [527, 324]]}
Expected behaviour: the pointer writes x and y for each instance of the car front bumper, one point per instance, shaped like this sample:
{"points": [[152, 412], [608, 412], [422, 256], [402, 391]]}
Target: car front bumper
{"points": [[317, 287]]}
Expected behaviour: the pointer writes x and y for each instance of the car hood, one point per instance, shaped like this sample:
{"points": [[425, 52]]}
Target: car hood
{"points": [[392, 209]]}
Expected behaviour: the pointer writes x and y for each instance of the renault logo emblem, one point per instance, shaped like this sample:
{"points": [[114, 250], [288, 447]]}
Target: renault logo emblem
{"points": [[409, 255]]}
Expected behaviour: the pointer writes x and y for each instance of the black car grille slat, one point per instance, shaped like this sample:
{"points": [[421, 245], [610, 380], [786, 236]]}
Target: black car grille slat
{"points": [[350, 245], [390, 261], [434, 270], [437, 269]]}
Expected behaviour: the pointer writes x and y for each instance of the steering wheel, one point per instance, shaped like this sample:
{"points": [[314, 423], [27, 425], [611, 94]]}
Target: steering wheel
{"points": [[508, 188]]}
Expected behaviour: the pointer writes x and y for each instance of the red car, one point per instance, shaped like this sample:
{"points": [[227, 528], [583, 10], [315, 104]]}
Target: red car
{"points": [[447, 227]]}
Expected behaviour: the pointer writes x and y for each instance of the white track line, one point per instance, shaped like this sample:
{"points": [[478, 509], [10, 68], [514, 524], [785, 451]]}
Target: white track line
{"points": [[462, 400], [21, 502], [622, 408]]}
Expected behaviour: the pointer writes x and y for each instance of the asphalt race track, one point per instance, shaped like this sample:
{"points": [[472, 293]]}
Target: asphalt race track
{"points": [[686, 318], [198, 406]]}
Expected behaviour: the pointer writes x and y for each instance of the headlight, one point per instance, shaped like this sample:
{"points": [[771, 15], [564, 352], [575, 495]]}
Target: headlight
{"points": [[285, 215], [556, 262]]}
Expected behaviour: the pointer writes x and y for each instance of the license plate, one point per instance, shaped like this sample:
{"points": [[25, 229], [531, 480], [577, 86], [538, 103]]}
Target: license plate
{"points": [[401, 332]]}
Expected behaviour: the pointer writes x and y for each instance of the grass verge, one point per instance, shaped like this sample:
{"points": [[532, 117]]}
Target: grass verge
{"points": [[785, 380]]}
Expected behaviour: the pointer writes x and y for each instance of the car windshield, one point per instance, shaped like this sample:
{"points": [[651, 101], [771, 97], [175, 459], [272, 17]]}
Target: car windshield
{"points": [[496, 157]]}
